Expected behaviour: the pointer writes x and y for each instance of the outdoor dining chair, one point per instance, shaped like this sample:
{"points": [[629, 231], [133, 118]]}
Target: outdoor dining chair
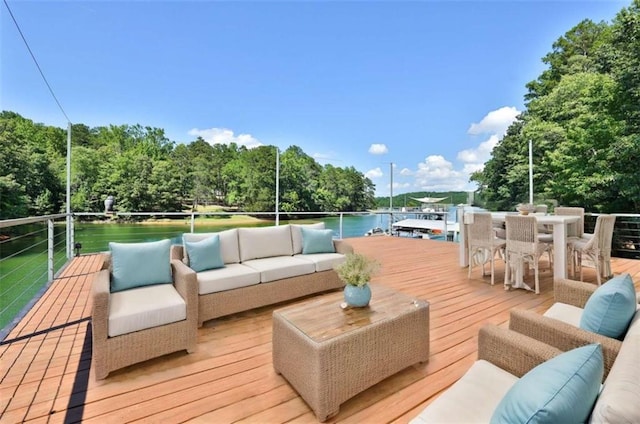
{"points": [[574, 229], [483, 243], [523, 247], [597, 248]]}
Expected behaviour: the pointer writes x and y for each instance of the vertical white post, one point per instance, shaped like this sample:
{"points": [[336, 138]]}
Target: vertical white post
{"points": [[530, 172], [390, 197], [50, 265], [69, 242], [277, 184]]}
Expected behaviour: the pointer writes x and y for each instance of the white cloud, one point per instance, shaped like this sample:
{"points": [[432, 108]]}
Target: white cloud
{"points": [[225, 136], [495, 122], [374, 173], [378, 149], [438, 174], [480, 154], [406, 172]]}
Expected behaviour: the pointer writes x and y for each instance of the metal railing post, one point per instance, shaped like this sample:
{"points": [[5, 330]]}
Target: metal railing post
{"points": [[193, 221], [341, 215], [50, 270]]}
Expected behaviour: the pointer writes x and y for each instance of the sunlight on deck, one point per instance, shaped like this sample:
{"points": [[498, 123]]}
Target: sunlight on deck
{"points": [[46, 372]]}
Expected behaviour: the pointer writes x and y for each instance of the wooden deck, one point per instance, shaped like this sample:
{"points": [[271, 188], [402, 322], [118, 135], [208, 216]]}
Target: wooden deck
{"points": [[46, 373]]}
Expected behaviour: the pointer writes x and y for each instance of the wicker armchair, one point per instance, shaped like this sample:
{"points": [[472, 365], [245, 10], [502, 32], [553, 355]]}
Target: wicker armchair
{"points": [[112, 353], [483, 243], [523, 247], [559, 326], [504, 356]]}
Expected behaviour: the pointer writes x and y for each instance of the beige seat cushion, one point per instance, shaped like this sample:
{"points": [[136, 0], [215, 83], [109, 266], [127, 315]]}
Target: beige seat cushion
{"points": [[619, 401], [565, 313], [228, 244], [265, 242], [277, 268], [145, 307], [296, 235], [472, 399], [323, 261], [232, 276]]}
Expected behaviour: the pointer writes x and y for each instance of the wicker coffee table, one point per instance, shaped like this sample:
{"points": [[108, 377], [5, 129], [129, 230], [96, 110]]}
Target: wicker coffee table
{"points": [[329, 354]]}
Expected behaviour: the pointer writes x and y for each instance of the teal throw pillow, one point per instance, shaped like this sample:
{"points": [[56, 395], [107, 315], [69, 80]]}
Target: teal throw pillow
{"points": [[560, 390], [204, 254], [610, 308], [317, 241], [140, 264]]}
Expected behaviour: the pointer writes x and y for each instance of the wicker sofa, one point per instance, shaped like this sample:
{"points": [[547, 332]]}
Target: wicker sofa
{"points": [[262, 266]]}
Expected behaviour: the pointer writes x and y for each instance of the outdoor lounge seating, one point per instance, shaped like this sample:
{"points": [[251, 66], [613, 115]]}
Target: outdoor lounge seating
{"points": [[143, 306], [517, 379], [261, 266], [619, 399]]}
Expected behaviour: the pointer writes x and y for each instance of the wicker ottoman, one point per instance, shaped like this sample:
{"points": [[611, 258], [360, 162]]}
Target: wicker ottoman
{"points": [[329, 354]]}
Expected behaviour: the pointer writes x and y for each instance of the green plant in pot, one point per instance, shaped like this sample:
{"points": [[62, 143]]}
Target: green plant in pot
{"points": [[356, 272]]}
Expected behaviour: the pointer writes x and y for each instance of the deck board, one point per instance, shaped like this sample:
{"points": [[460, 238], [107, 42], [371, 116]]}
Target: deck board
{"points": [[46, 374]]}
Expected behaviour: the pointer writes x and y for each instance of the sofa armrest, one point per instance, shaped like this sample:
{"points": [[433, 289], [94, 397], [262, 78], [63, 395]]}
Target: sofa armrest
{"points": [[512, 351], [562, 335], [342, 247], [573, 292], [177, 252], [186, 284], [100, 309]]}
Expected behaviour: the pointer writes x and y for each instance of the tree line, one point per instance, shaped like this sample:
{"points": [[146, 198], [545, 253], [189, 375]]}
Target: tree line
{"points": [[145, 171], [583, 118]]}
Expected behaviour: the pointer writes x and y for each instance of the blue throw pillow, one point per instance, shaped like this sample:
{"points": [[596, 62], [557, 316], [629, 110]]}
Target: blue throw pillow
{"points": [[560, 390], [140, 264], [610, 308], [317, 241], [204, 254]]}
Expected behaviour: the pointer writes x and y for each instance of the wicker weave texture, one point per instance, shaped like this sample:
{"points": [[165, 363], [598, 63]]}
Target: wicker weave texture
{"points": [[214, 305], [112, 353], [562, 335], [482, 241], [572, 292], [328, 373], [512, 351], [573, 229]]}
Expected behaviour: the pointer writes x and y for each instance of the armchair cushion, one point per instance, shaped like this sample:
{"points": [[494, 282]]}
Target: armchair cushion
{"points": [[610, 308], [145, 307], [204, 254], [140, 264], [317, 241], [562, 389]]}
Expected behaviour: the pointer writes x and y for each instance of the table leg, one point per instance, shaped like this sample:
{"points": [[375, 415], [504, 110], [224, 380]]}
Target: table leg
{"points": [[559, 250]]}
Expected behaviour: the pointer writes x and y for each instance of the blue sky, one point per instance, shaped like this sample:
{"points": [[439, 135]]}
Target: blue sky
{"points": [[429, 86]]}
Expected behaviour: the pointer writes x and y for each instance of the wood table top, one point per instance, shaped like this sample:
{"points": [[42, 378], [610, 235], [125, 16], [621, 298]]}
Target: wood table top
{"points": [[323, 318]]}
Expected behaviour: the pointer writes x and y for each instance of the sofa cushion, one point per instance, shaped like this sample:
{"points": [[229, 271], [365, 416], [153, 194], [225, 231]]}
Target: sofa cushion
{"points": [[228, 244], [472, 398], [610, 308], [279, 267], [296, 234], [204, 254], [565, 313], [264, 242], [232, 276], [140, 264], [620, 396], [145, 307], [323, 261], [560, 390], [317, 241]]}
